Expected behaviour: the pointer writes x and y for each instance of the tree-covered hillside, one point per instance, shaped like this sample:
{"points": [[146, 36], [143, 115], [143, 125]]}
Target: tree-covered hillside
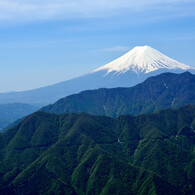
{"points": [[164, 91], [87, 154]]}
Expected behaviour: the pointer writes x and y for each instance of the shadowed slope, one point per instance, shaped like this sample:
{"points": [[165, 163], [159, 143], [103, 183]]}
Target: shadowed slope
{"points": [[167, 90]]}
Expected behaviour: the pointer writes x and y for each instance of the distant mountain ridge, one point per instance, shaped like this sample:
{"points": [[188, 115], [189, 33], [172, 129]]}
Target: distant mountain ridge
{"points": [[167, 90], [126, 71], [14, 111], [87, 154]]}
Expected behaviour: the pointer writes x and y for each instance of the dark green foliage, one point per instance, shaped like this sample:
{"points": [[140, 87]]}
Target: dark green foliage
{"points": [[164, 91], [87, 154]]}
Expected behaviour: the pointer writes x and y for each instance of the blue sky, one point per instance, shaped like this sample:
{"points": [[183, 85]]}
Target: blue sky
{"points": [[45, 42]]}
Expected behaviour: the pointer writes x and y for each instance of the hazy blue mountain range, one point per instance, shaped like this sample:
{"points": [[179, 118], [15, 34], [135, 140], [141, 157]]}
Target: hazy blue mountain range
{"points": [[87, 154], [14, 111], [166, 90], [126, 71]]}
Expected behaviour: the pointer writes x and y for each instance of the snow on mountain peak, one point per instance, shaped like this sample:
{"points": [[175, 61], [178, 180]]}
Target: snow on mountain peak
{"points": [[142, 59]]}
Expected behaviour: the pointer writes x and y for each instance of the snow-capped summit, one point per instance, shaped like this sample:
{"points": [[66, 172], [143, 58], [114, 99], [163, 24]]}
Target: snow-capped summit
{"points": [[143, 59]]}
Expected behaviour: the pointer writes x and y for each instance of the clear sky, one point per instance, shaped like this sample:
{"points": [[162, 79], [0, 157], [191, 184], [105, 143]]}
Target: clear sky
{"points": [[45, 42]]}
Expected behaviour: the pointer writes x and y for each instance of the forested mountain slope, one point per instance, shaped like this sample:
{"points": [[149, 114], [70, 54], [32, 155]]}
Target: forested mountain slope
{"points": [[167, 90], [87, 154]]}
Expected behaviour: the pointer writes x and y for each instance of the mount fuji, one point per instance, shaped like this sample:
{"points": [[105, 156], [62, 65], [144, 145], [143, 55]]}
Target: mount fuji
{"points": [[128, 70], [142, 60]]}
